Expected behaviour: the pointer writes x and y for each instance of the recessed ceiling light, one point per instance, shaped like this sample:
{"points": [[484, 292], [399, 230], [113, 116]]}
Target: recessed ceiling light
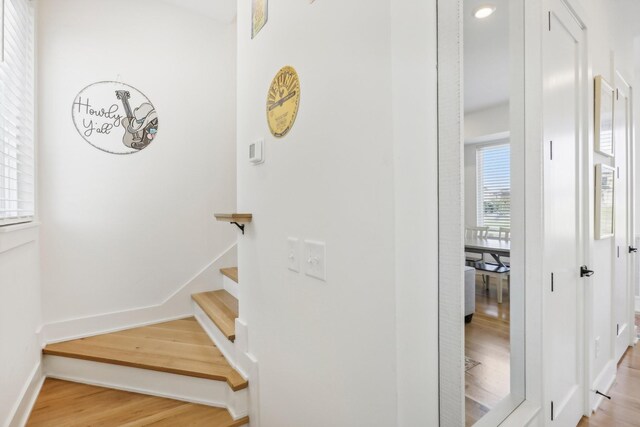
{"points": [[484, 11]]}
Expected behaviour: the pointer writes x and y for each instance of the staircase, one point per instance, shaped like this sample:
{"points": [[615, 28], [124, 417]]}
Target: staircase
{"points": [[188, 369]]}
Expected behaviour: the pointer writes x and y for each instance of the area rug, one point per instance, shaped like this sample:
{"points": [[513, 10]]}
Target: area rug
{"points": [[469, 363]]}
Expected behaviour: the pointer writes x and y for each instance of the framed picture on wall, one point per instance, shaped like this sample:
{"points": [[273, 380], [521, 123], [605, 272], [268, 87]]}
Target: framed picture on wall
{"points": [[603, 135], [605, 183], [259, 15]]}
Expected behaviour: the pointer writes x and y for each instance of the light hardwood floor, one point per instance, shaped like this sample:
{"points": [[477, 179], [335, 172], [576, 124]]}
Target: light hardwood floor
{"points": [[63, 403], [623, 410], [487, 342]]}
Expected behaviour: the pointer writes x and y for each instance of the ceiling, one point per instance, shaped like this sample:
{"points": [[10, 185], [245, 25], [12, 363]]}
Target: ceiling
{"points": [[220, 10], [486, 56]]}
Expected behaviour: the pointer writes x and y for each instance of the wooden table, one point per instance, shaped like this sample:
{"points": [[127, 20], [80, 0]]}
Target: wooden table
{"points": [[495, 247]]}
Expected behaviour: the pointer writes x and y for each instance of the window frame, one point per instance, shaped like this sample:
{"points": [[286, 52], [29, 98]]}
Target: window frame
{"points": [[479, 181], [19, 179]]}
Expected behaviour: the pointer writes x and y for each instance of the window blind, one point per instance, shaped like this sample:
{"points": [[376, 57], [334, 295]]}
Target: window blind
{"points": [[493, 165], [17, 157]]}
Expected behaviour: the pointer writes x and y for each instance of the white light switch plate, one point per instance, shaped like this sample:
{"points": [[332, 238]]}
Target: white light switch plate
{"points": [[256, 152], [314, 259], [293, 254]]}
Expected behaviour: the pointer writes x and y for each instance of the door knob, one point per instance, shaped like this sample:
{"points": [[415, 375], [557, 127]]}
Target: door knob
{"points": [[632, 249], [585, 272]]}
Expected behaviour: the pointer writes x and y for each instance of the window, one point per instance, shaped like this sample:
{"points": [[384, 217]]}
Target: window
{"points": [[493, 165], [17, 158]]}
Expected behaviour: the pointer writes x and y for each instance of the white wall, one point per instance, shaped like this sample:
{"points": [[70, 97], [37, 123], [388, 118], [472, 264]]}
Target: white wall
{"points": [[19, 315], [609, 50], [329, 348], [122, 232], [600, 48], [486, 122], [416, 217]]}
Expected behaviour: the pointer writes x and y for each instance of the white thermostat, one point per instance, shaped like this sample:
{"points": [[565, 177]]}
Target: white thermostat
{"points": [[256, 152]]}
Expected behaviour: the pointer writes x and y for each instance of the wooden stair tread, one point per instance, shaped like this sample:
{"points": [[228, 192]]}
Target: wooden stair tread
{"points": [[222, 309], [64, 403], [240, 218], [180, 347], [231, 273]]}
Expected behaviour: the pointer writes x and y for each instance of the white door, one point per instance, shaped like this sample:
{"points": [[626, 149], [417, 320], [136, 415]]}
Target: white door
{"points": [[563, 326], [621, 283]]}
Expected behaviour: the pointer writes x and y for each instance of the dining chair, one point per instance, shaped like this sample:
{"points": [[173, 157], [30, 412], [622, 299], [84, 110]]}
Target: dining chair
{"points": [[504, 233], [489, 270], [474, 233]]}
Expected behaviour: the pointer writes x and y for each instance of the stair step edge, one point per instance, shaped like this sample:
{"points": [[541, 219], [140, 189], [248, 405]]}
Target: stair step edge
{"points": [[218, 312], [231, 273]]}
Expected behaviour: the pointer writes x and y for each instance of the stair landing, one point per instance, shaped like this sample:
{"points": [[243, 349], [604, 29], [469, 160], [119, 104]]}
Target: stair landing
{"points": [[63, 403], [180, 347]]}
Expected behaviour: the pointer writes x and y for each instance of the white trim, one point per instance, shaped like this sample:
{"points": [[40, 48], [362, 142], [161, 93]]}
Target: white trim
{"points": [[19, 226], [238, 356], [22, 408], [176, 306], [14, 236], [155, 383], [500, 412], [603, 383], [527, 414], [637, 304], [530, 411], [248, 365], [450, 216]]}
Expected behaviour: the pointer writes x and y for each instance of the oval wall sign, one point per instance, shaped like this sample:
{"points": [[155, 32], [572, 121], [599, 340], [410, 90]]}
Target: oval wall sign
{"points": [[115, 117], [283, 101]]}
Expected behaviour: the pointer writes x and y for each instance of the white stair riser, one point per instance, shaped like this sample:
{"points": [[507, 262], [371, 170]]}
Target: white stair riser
{"points": [[155, 383], [238, 356], [230, 286], [227, 348]]}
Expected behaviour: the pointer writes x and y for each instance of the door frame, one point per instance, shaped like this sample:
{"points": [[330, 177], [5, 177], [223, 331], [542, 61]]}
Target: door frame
{"points": [[631, 209], [450, 158], [621, 84]]}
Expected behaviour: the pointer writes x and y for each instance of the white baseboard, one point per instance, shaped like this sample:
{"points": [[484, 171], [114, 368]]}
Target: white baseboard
{"points": [[178, 305], [603, 383], [155, 383], [254, 388], [28, 396]]}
